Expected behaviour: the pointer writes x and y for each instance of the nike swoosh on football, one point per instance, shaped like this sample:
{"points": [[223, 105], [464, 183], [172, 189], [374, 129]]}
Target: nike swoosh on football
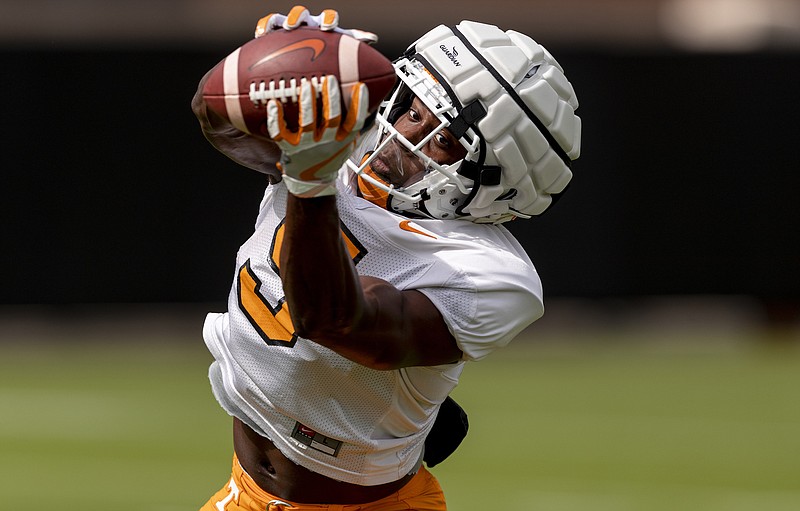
{"points": [[315, 45], [406, 226]]}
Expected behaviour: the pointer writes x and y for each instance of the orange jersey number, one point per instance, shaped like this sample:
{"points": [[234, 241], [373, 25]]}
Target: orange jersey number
{"points": [[273, 322]]}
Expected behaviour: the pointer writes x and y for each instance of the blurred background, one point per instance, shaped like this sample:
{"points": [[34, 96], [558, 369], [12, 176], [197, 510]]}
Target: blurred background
{"points": [[686, 185], [672, 266]]}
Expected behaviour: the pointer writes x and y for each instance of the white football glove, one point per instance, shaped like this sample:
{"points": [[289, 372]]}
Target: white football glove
{"points": [[327, 21], [313, 155]]}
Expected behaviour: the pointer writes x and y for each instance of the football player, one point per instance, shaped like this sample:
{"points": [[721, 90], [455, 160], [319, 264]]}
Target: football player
{"points": [[379, 266]]}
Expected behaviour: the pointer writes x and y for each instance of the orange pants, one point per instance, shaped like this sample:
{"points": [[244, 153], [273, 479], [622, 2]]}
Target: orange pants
{"points": [[422, 493]]}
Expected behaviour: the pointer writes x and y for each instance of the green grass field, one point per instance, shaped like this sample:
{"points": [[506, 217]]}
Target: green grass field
{"points": [[585, 425]]}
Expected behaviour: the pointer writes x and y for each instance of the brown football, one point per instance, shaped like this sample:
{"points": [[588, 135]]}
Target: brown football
{"points": [[271, 66]]}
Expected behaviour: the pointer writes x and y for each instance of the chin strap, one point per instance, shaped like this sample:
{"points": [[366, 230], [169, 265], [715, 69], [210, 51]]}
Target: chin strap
{"points": [[368, 190]]}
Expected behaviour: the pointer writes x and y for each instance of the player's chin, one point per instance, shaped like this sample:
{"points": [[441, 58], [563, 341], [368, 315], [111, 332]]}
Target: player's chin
{"points": [[398, 168], [383, 170]]}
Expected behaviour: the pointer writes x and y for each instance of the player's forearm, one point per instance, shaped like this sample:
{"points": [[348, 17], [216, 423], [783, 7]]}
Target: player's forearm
{"points": [[320, 281], [365, 319]]}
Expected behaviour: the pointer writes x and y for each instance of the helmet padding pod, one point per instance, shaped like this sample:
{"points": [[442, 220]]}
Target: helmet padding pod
{"points": [[529, 127]]}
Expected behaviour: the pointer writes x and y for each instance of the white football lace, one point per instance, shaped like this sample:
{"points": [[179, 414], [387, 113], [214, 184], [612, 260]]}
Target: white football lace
{"points": [[262, 91]]}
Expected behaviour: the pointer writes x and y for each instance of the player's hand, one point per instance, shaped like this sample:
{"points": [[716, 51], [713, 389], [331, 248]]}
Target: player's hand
{"points": [[313, 155], [260, 154], [327, 20]]}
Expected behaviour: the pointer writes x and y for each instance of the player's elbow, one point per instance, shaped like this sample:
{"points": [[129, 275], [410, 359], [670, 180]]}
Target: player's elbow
{"points": [[329, 329], [367, 350], [384, 360], [320, 331]]}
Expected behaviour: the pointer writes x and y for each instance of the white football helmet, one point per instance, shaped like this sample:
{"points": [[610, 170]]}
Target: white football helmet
{"points": [[507, 101]]}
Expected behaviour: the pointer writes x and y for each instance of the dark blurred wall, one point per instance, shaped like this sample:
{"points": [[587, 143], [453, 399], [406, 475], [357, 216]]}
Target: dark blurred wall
{"points": [[687, 183]]}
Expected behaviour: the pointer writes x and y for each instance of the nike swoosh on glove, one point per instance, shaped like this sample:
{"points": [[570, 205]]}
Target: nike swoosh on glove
{"points": [[313, 155]]}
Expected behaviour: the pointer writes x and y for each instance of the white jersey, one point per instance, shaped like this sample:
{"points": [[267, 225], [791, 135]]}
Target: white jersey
{"points": [[332, 415]]}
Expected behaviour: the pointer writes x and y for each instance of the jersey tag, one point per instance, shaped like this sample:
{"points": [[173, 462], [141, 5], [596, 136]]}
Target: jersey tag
{"points": [[317, 441]]}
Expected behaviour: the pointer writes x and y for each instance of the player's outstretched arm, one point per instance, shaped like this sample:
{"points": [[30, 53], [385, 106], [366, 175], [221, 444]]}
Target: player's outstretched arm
{"points": [[364, 319]]}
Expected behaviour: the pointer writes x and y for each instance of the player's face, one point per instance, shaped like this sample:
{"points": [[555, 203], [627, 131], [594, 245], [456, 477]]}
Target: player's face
{"points": [[400, 167]]}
